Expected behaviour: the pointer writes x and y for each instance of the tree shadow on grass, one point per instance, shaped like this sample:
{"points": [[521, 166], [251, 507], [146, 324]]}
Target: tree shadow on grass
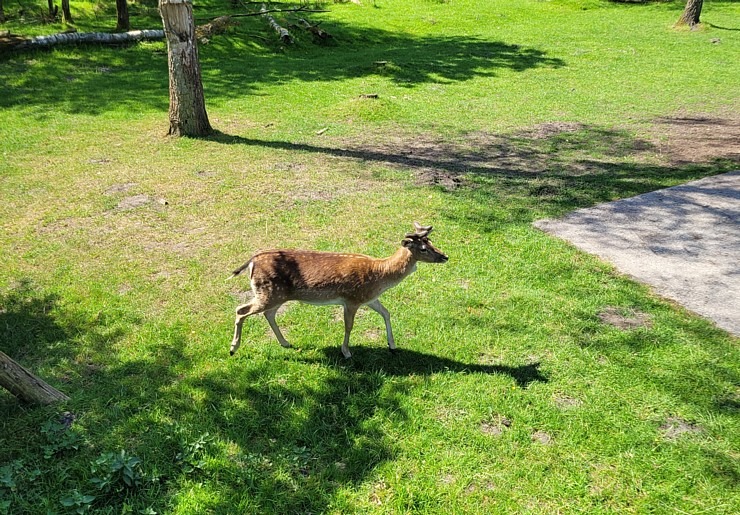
{"points": [[545, 172], [26, 323], [292, 430], [297, 442], [136, 77], [40, 334]]}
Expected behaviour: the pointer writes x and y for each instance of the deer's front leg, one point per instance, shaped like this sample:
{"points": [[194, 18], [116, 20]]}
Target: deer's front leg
{"points": [[270, 316], [349, 321], [382, 311]]}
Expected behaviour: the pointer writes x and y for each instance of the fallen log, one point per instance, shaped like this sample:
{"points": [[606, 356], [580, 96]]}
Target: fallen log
{"points": [[217, 25], [26, 386], [64, 38], [285, 36], [317, 31]]}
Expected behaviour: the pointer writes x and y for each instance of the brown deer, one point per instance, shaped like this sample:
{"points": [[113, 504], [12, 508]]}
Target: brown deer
{"points": [[350, 280]]}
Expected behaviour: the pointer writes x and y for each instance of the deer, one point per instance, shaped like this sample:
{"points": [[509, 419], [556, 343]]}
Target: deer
{"points": [[321, 278]]}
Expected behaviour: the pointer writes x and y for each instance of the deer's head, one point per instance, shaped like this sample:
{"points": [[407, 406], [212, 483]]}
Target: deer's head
{"points": [[420, 246]]}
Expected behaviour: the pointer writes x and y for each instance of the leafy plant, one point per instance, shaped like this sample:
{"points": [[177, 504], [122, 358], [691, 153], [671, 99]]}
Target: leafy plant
{"points": [[59, 437], [80, 502], [8, 483], [8, 475], [117, 472], [192, 453]]}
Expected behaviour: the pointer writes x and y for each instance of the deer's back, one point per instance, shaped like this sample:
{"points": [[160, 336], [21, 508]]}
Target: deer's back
{"points": [[316, 277]]}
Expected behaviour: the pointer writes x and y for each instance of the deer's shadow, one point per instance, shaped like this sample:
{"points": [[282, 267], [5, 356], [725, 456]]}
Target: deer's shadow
{"points": [[405, 362]]}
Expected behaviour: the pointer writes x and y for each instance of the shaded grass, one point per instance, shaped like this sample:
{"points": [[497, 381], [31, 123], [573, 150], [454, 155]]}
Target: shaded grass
{"points": [[124, 308]]}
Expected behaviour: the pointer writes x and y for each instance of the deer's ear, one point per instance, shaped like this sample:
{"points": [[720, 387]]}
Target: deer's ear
{"points": [[407, 242]]}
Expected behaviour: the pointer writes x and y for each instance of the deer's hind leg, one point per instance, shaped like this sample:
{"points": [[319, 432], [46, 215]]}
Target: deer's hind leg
{"points": [[254, 306]]}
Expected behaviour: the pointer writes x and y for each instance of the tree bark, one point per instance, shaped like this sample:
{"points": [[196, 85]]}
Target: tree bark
{"points": [[26, 386], [66, 13], [53, 9], [123, 23], [9, 41], [285, 36], [691, 13], [187, 103]]}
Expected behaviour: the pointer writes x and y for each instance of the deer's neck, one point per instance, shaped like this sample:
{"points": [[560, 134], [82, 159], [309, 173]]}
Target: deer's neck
{"points": [[399, 265]]}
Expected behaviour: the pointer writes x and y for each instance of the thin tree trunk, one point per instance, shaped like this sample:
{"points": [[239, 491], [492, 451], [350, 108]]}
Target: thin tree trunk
{"points": [[26, 386], [123, 24], [53, 9], [66, 13], [691, 13], [2, 12], [188, 115]]}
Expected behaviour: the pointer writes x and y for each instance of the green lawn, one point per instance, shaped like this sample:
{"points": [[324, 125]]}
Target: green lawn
{"points": [[509, 393]]}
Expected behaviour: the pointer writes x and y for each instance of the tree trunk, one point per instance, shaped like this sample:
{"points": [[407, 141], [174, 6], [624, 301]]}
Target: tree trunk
{"points": [[53, 9], [2, 12], [24, 385], [187, 104], [66, 13], [691, 13], [123, 24]]}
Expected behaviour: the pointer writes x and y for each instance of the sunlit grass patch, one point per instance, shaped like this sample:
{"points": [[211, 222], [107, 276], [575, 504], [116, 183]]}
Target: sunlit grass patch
{"points": [[530, 377]]}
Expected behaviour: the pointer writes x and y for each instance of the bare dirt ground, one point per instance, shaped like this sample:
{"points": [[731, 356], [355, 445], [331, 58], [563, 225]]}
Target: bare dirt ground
{"points": [[695, 139], [676, 141]]}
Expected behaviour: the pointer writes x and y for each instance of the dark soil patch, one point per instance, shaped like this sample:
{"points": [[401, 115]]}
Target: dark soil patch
{"points": [[568, 148], [445, 180], [120, 188], [550, 129], [699, 138], [541, 437], [565, 402], [674, 428], [496, 426], [625, 318], [133, 202]]}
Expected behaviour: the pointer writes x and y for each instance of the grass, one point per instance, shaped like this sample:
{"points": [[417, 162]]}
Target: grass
{"points": [[509, 393]]}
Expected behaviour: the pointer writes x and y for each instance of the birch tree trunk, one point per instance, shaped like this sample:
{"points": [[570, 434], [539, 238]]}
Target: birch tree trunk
{"points": [[187, 104], [26, 386]]}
